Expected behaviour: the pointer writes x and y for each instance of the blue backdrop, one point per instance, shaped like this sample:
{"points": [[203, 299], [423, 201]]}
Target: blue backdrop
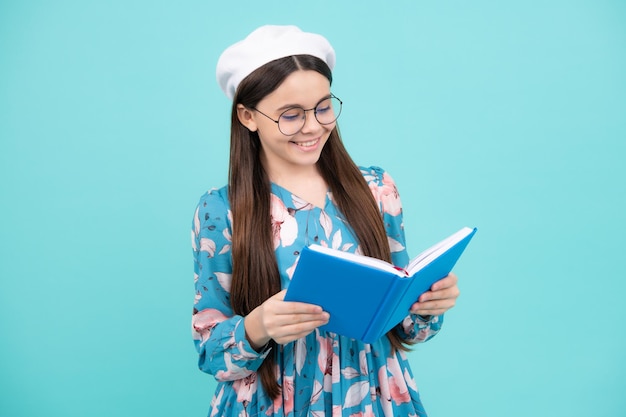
{"points": [[508, 116]]}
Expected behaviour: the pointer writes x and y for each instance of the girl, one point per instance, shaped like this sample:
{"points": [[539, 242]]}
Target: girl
{"points": [[291, 184]]}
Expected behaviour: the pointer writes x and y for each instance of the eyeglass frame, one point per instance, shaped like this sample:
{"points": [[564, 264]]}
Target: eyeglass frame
{"points": [[331, 96]]}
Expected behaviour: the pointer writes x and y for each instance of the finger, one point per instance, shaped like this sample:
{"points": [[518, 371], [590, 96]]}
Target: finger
{"points": [[448, 293], [294, 307], [433, 307], [427, 313], [276, 305], [447, 282], [275, 321], [435, 303], [296, 329], [293, 331], [290, 338], [294, 319], [298, 309]]}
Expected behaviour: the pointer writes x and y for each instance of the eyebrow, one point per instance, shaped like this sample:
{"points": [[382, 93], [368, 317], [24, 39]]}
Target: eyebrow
{"points": [[291, 106]]}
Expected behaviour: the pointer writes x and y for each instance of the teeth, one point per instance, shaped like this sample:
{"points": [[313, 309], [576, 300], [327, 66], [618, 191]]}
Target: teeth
{"points": [[309, 143]]}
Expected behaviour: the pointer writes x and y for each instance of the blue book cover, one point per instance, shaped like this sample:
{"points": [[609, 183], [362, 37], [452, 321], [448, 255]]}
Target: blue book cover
{"points": [[367, 297]]}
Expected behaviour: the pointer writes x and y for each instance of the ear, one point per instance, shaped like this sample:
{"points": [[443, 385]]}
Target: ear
{"points": [[246, 118]]}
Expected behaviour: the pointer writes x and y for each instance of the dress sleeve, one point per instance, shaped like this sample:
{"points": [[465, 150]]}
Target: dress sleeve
{"points": [[218, 334], [413, 328]]}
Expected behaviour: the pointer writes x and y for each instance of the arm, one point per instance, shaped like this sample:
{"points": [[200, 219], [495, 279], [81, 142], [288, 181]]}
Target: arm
{"points": [[231, 346], [218, 334], [422, 322], [426, 315]]}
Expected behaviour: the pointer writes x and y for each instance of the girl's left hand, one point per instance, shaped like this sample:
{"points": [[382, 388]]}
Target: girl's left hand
{"points": [[441, 297]]}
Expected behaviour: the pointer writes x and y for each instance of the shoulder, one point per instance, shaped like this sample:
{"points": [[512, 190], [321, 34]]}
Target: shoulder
{"points": [[376, 176], [214, 198], [383, 189], [213, 207]]}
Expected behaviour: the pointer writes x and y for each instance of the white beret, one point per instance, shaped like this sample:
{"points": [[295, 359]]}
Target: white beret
{"points": [[266, 44]]}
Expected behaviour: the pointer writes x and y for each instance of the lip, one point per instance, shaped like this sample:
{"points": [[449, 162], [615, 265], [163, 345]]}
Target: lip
{"points": [[307, 145]]}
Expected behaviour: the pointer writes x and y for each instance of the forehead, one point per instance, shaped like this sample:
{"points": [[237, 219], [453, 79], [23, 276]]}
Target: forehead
{"points": [[300, 88]]}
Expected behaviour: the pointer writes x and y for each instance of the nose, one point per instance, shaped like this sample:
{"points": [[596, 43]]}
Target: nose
{"points": [[310, 121]]}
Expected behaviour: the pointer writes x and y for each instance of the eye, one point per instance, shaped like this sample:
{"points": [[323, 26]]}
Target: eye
{"points": [[323, 107], [291, 115]]}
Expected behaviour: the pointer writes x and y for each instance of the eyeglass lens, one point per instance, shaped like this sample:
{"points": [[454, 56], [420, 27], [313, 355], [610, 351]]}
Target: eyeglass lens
{"points": [[292, 120]]}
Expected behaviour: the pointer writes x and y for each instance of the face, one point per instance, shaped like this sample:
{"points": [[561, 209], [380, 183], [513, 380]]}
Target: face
{"points": [[284, 155]]}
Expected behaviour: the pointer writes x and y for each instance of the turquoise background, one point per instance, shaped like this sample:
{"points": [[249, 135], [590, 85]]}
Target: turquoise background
{"points": [[508, 116]]}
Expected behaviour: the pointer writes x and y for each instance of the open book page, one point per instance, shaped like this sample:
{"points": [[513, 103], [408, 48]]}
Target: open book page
{"points": [[436, 250], [359, 259]]}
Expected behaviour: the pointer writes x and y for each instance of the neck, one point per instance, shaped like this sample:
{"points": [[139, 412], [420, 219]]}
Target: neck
{"points": [[307, 183], [301, 176], [283, 174]]}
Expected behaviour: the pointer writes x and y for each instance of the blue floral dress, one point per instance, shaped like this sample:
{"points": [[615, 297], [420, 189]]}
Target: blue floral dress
{"points": [[322, 374]]}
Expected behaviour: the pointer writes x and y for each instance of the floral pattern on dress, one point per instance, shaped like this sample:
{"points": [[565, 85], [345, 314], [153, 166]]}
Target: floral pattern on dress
{"points": [[322, 374]]}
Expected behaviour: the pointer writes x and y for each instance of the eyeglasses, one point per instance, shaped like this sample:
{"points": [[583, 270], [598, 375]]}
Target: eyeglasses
{"points": [[292, 120]]}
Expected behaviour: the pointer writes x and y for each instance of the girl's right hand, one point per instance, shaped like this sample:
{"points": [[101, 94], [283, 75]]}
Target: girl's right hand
{"points": [[283, 321]]}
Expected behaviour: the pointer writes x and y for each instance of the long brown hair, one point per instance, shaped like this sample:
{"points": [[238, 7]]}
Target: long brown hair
{"points": [[255, 275]]}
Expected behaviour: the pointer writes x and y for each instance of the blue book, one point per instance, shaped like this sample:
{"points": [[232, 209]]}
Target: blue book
{"points": [[366, 297]]}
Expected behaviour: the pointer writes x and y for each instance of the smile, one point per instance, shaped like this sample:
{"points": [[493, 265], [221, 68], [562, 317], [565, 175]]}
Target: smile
{"points": [[307, 144]]}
